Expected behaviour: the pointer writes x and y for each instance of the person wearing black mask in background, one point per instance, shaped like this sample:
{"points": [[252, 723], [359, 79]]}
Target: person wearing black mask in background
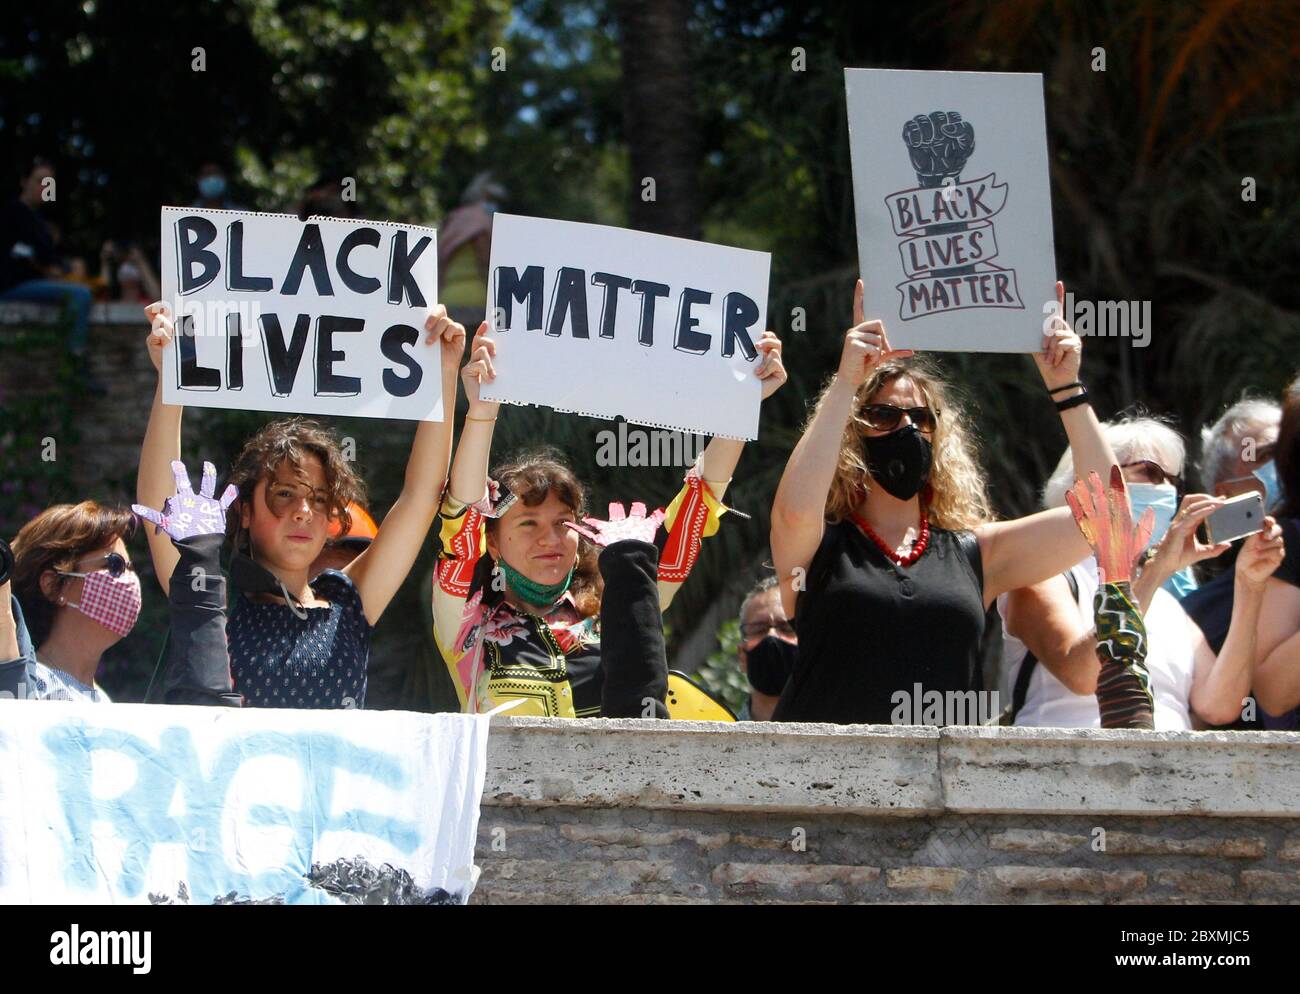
{"points": [[883, 535], [767, 650]]}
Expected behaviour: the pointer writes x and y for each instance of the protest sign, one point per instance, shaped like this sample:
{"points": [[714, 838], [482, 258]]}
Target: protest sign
{"points": [[606, 322], [130, 803], [954, 213], [323, 316]]}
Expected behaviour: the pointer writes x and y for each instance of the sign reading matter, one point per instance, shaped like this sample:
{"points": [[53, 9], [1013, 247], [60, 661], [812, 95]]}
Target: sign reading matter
{"points": [[607, 322], [323, 316], [954, 209]]}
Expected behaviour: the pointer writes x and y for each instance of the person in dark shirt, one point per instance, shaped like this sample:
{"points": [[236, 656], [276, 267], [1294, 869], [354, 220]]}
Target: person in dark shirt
{"points": [[767, 651], [1248, 427], [1277, 663], [30, 268], [884, 540]]}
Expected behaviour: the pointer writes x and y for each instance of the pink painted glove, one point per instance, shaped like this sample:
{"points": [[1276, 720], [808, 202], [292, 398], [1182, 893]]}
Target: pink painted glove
{"points": [[621, 526], [188, 514], [1104, 517]]}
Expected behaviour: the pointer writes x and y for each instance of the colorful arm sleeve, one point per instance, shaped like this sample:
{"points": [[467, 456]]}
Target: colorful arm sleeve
{"points": [[1124, 684], [693, 516], [462, 542]]}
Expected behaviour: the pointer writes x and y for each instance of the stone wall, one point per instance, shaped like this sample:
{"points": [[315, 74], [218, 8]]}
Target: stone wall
{"points": [[637, 812]]}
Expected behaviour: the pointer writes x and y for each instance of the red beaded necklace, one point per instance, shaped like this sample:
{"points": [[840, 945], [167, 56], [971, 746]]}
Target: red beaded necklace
{"points": [[918, 547]]}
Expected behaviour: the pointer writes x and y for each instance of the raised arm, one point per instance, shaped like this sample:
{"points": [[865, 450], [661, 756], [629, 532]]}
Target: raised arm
{"points": [[722, 454], [198, 659], [1028, 550], [1045, 617], [798, 512], [695, 512], [379, 571], [469, 473], [154, 481]]}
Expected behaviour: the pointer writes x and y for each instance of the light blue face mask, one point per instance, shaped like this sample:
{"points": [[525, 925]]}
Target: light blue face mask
{"points": [[1267, 475], [212, 187], [1162, 498]]}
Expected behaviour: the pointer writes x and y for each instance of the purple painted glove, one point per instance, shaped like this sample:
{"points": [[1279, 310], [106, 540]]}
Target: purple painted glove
{"points": [[621, 526], [189, 514]]}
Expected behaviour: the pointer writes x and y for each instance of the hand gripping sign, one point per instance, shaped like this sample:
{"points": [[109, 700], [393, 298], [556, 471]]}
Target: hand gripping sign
{"points": [[606, 322], [322, 316], [951, 194]]}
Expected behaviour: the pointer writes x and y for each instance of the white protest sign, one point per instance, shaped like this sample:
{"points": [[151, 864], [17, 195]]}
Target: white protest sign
{"points": [[954, 210], [134, 803], [323, 316], [605, 322]]}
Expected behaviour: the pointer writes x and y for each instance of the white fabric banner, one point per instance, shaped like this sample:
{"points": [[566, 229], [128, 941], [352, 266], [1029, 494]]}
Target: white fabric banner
{"points": [[323, 316], [607, 322], [133, 803], [953, 206]]}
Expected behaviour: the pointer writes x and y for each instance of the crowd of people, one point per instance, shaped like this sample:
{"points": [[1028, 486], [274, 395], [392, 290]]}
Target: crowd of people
{"points": [[888, 561]]}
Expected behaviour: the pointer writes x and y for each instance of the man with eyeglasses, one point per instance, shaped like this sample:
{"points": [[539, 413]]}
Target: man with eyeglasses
{"points": [[767, 649]]}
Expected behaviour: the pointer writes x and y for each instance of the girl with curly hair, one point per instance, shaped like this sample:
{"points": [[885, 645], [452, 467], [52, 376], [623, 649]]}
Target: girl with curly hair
{"points": [[296, 640]]}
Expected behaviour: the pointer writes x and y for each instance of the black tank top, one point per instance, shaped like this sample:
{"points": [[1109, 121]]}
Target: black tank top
{"points": [[868, 627]]}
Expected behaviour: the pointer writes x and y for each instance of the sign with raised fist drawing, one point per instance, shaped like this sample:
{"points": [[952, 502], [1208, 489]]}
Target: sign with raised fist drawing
{"points": [[953, 207]]}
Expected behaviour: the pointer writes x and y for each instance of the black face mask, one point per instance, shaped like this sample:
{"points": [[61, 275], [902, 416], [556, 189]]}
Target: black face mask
{"points": [[899, 461], [770, 664]]}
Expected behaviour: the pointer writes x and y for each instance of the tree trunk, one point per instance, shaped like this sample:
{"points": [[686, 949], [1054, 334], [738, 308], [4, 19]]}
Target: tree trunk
{"points": [[659, 117]]}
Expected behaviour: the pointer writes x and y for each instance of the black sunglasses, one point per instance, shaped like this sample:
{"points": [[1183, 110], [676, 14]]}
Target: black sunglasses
{"points": [[1157, 473], [885, 417], [114, 563]]}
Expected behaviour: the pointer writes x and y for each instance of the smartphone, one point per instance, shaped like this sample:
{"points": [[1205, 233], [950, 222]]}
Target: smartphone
{"points": [[1238, 517]]}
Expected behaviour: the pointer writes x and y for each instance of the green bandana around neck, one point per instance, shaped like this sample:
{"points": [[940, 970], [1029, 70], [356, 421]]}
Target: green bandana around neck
{"points": [[541, 595]]}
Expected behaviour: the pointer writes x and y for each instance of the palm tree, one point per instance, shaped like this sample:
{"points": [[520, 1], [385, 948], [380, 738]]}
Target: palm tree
{"points": [[659, 117]]}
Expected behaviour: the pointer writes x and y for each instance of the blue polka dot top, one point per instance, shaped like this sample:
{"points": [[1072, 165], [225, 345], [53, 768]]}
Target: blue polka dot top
{"points": [[278, 660]]}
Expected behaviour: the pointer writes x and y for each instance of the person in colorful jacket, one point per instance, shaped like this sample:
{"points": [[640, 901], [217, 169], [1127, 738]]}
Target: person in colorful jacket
{"points": [[531, 606]]}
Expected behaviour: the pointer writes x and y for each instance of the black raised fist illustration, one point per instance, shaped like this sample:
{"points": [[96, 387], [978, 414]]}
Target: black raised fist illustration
{"points": [[939, 146]]}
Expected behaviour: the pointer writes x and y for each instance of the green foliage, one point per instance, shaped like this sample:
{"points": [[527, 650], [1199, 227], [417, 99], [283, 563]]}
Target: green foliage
{"points": [[720, 673], [379, 92], [35, 476]]}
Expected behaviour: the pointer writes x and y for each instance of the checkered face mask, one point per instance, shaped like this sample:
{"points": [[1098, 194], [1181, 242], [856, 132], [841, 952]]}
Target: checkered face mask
{"points": [[112, 601]]}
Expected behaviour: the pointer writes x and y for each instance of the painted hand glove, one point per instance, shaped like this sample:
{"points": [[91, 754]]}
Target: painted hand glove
{"points": [[188, 514], [1124, 684], [621, 526]]}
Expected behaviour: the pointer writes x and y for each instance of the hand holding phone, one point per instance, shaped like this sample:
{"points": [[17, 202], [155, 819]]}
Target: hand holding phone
{"points": [[1238, 517]]}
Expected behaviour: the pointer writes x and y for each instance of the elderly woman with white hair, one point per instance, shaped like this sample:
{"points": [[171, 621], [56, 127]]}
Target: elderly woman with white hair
{"points": [[1237, 451], [1050, 645], [1236, 456]]}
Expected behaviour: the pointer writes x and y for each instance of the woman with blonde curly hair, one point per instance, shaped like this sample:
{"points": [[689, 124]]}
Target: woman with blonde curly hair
{"points": [[884, 539]]}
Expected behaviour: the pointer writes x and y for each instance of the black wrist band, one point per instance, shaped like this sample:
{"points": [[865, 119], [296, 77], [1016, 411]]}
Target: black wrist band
{"points": [[1069, 402], [1068, 386]]}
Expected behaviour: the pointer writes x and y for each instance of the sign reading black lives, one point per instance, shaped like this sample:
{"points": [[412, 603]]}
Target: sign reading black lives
{"points": [[323, 316]]}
